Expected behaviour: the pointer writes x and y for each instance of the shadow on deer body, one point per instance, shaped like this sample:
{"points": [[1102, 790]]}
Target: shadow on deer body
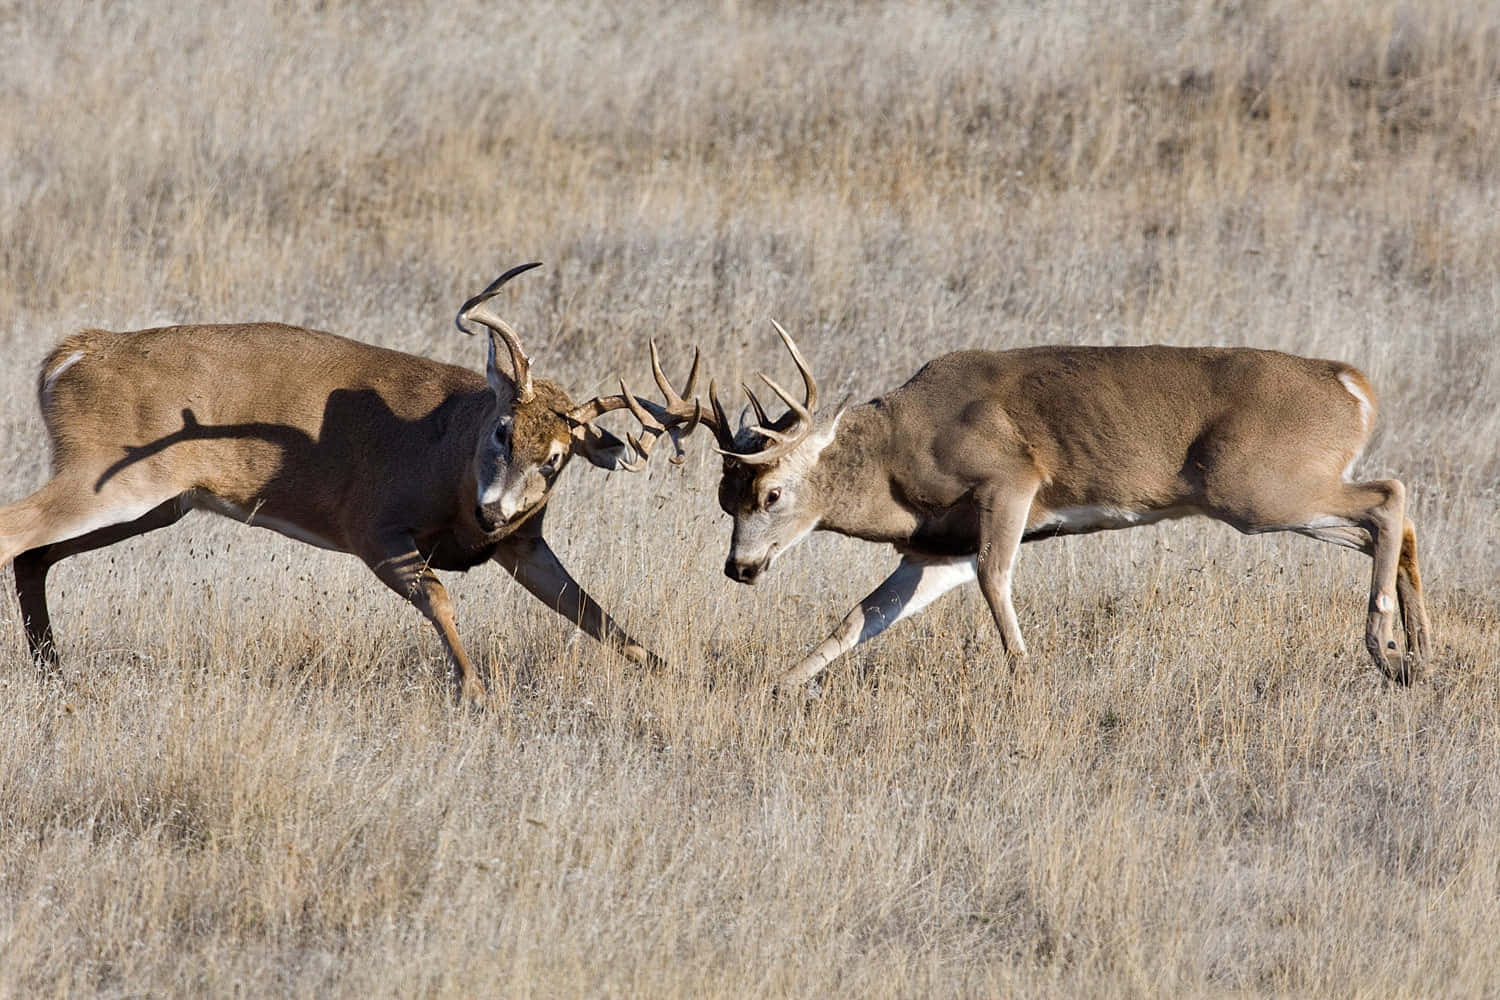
{"points": [[409, 464]]}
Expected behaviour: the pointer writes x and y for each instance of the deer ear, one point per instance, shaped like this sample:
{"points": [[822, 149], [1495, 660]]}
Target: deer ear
{"points": [[600, 447], [501, 384]]}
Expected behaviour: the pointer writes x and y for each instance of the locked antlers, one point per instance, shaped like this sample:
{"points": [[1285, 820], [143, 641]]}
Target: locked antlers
{"points": [[677, 418], [655, 419], [683, 413]]}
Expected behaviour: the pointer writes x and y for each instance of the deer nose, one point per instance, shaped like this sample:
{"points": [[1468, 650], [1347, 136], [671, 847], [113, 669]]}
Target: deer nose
{"points": [[741, 572], [486, 522]]}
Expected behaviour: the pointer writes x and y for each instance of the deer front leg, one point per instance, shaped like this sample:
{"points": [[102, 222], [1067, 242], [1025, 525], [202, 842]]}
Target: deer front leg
{"points": [[536, 567], [402, 568], [1002, 523], [916, 583]]}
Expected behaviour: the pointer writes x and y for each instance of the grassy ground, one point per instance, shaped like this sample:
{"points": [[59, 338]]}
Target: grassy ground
{"points": [[251, 778]]}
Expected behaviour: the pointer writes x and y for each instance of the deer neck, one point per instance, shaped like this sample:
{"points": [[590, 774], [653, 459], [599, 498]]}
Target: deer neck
{"points": [[852, 479]]}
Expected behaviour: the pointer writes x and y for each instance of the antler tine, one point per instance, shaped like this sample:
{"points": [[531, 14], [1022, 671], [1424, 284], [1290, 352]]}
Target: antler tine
{"points": [[803, 413], [474, 309], [665, 385], [782, 439], [677, 419], [635, 465], [489, 292], [760, 411], [772, 434], [677, 403], [520, 363], [678, 433], [647, 419], [809, 383], [722, 433], [650, 426]]}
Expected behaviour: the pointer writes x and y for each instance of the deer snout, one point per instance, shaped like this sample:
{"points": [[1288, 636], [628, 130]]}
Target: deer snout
{"points": [[487, 521], [511, 506], [499, 517], [742, 572]]}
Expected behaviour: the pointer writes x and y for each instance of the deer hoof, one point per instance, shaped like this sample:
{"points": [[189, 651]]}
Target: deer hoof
{"points": [[1401, 669], [796, 692], [643, 657]]}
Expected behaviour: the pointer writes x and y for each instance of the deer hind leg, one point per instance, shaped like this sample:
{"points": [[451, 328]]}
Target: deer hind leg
{"points": [[1409, 594], [1371, 517], [1384, 517], [67, 516], [31, 589], [32, 566]]}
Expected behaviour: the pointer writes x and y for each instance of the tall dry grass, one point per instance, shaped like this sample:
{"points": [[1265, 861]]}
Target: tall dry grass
{"points": [[251, 779]]}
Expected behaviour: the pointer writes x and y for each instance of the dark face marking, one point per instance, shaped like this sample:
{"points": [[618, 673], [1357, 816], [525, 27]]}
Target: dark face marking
{"points": [[518, 462]]}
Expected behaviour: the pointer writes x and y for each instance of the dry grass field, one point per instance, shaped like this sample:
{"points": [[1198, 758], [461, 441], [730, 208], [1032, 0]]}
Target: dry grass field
{"points": [[251, 780]]}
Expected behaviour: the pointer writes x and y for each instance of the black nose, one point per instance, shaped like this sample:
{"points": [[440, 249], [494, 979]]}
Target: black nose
{"points": [[486, 522], [741, 572]]}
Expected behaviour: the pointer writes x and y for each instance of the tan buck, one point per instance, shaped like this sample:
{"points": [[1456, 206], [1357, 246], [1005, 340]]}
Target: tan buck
{"points": [[981, 451], [409, 464]]}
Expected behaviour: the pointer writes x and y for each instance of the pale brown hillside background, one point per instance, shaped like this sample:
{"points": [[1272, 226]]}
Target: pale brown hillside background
{"points": [[252, 779]]}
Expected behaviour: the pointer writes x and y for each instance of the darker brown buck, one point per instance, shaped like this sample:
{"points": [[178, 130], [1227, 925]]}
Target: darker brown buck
{"points": [[983, 450], [411, 465]]}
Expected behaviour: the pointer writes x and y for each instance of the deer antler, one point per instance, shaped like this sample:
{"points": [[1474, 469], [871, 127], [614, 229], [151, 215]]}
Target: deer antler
{"points": [[786, 433], [474, 309], [683, 412], [677, 418]]}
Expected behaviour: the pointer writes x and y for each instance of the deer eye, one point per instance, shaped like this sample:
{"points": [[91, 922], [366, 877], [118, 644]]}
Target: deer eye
{"points": [[772, 495]]}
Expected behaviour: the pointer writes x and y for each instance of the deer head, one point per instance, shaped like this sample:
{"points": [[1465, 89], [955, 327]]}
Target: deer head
{"points": [[536, 428], [767, 485]]}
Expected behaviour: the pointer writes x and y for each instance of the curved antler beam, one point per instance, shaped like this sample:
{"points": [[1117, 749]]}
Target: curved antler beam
{"points": [[783, 439], [475, 309]]}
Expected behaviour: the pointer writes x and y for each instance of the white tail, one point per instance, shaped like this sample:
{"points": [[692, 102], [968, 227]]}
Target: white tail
{"points": [[411, 465], [981, 451]]}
